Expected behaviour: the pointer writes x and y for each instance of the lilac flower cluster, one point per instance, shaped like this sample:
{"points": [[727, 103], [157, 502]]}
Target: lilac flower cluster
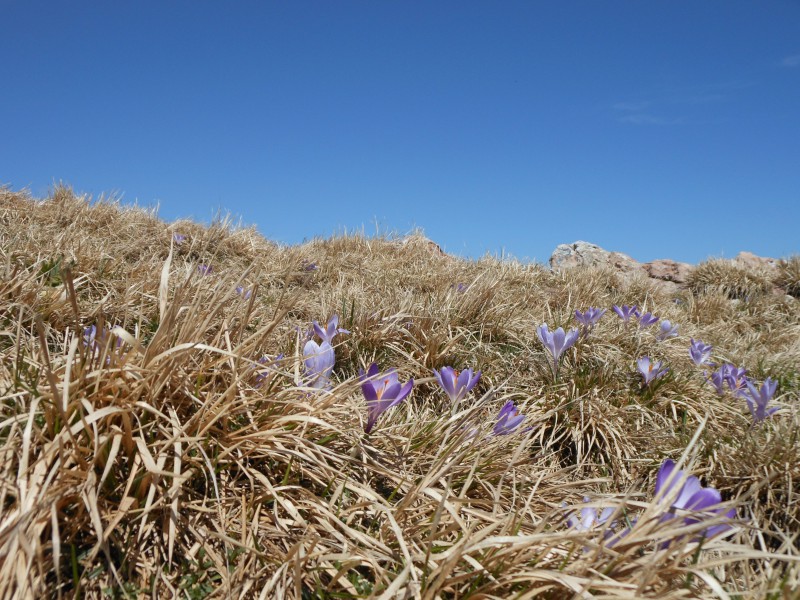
{"points": [[677, 496], [729, 378], [383, 392], [667, 329], [588, 319], [626, 312]]}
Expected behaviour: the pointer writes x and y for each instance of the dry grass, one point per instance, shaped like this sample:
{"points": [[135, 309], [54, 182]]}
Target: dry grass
{"points": [[734, 280], [789, 275], [161, 466]]}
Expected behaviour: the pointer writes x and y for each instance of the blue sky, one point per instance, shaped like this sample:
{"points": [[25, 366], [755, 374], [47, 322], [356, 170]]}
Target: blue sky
{"points": [[658, 129]]}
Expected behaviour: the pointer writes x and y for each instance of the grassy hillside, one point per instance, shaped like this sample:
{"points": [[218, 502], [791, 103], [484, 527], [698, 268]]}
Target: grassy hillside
{"points": [[167, 451]]}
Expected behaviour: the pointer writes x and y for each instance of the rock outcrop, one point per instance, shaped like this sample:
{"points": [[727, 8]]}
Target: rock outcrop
{"points": [[668, 270], [670, 273], [579, 254]]}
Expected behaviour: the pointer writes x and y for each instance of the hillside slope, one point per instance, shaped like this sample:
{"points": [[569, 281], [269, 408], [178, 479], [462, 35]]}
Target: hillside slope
{"points": [[155, 442]]}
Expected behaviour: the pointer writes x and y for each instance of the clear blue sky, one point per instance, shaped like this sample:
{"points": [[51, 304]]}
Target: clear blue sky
{"points": [[659, 129]]}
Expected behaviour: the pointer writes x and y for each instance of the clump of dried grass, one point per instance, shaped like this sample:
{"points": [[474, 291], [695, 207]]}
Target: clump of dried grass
{"points": [[163, 465], [732, 279], [789, 275]]}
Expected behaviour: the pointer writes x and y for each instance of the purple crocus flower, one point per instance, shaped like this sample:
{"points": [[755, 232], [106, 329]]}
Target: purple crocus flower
{"points": [[730, 377], [736, 377], [589, 318], [556, 342], [90, 337], [508, 419], [308, 266], [650, 370], [625, 312], [244, 292], [647, 319], [205, 269], [758, 399], [269, 368], [456, 384], [382, 392], [667, 330], [331, 329], [690, 495], [699, 352], [319, 359], [95, 341], [718, 380], [178, 238], [590, 517]]}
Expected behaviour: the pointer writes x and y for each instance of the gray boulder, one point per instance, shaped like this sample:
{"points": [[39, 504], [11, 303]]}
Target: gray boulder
{"points": [[584, 254]]}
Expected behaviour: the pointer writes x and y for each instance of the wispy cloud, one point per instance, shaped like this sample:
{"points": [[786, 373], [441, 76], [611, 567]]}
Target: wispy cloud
{"points": [[791, 61], [636, 106], [645, 119], [634, 113], [660, 105]]}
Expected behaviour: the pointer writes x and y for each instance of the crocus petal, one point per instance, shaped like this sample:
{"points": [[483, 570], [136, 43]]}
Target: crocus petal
{"points": [[588, 517], [665, 475], [572, 337], [390, 391], [369, 392], [558, 342], [690, 487], [703, 499], [372, 371], [474, 380], [446, 381], [310, 350], [751, 407], [511, 423], [508, 407], [643, 365], [404, 392], [715, 530], [605, 514]]}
